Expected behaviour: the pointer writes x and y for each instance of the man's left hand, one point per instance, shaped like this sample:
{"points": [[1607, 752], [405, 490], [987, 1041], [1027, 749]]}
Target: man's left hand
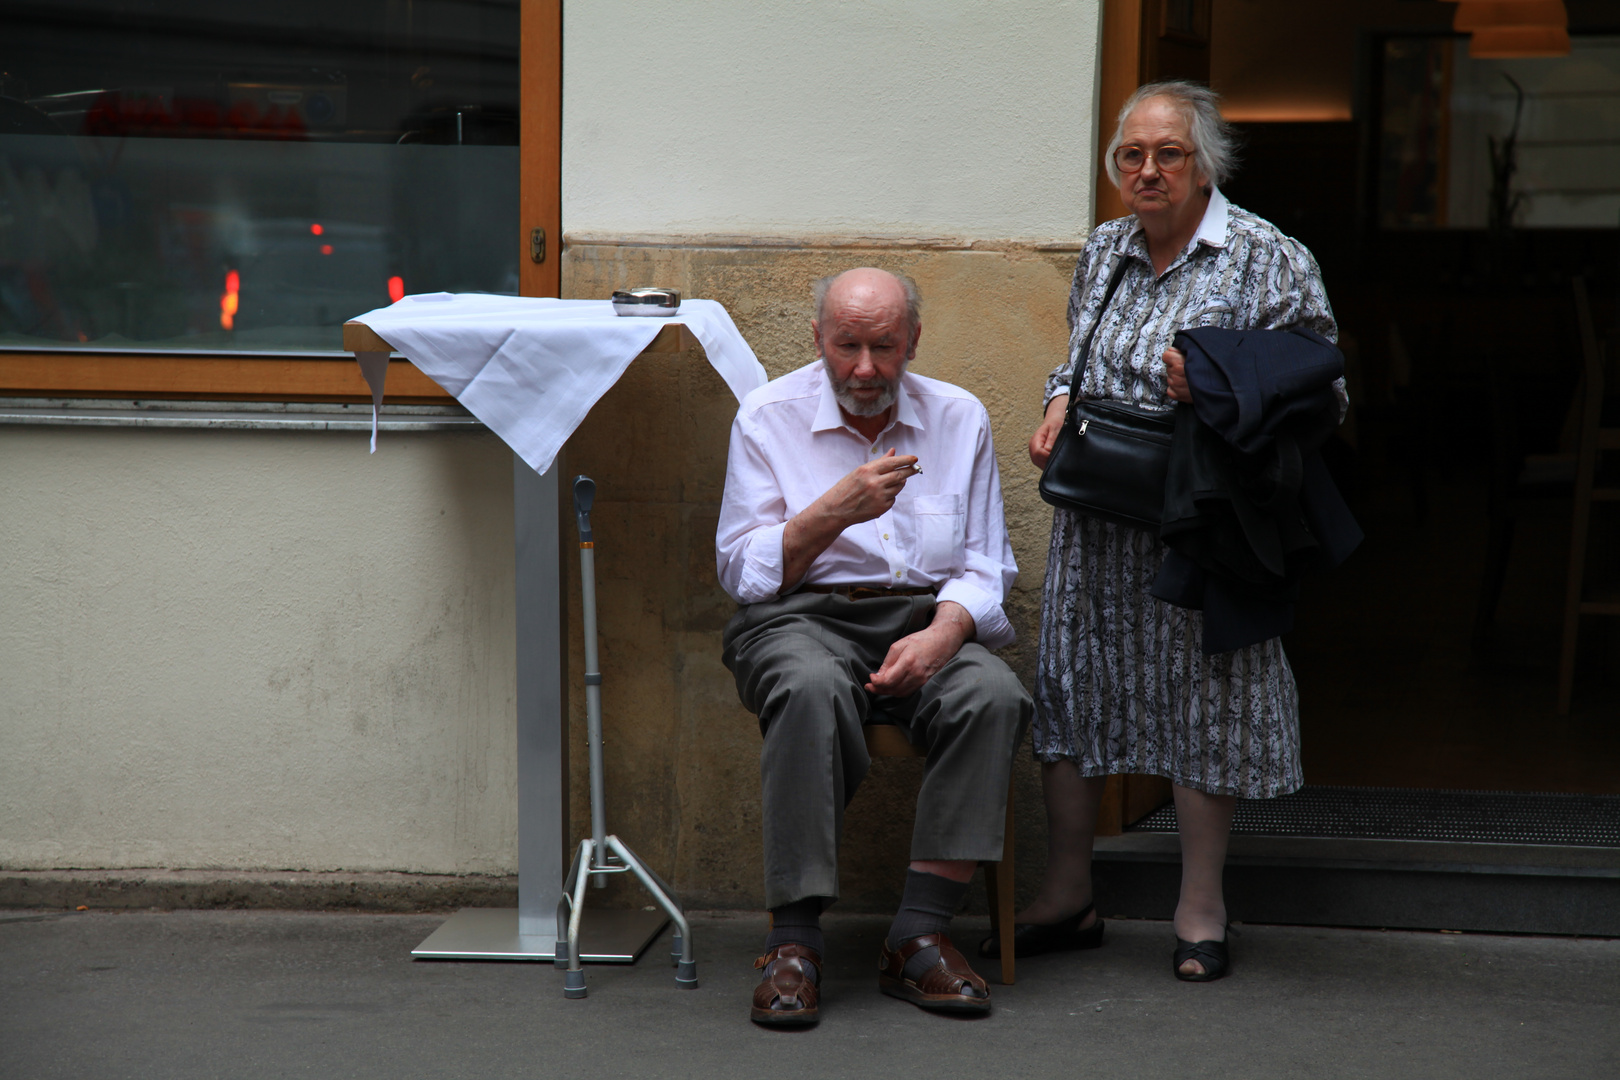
{"points": [[915, 658]]}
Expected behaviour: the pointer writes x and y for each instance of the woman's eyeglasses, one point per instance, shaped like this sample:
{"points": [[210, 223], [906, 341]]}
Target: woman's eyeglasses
{"points": [[1169, 158]]}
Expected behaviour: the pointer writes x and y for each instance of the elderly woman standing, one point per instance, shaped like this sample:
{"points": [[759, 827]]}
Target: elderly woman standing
{"points": [[1123, 685]]}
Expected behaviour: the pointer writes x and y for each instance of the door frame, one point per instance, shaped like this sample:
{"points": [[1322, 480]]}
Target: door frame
{"points": [[540, 146]]}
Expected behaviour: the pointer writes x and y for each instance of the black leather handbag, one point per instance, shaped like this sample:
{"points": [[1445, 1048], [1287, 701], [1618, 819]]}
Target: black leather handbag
{"points": [[1111, 457]]}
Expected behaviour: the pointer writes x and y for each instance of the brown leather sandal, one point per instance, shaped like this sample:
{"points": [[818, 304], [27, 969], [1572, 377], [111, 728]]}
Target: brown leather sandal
{"points": [[949, 986], [787, 994]]}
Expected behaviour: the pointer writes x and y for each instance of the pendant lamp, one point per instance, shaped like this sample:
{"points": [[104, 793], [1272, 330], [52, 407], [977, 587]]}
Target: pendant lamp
{"points": [[1513, 29]]}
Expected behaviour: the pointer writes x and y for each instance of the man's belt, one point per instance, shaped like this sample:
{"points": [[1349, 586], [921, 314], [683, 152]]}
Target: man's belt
{"points": [[868, 592]]}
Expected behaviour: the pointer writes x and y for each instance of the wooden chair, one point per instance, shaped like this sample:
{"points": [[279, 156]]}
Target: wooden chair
{"points": [[887, 740], [1594, 440]]}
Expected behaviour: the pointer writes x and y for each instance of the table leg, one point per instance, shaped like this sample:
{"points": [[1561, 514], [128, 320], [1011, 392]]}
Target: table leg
{"points": [[530, 931], [542, 704]]}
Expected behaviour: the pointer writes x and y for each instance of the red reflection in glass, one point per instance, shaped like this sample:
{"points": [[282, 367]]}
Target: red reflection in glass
{"points": [[117, 113], [230, 300], [326, 249], [316, 229], [396, 288]]}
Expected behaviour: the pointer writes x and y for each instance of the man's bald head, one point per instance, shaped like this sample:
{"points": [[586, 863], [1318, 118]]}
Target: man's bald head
{"points": [[866, 330], [869, 285]]}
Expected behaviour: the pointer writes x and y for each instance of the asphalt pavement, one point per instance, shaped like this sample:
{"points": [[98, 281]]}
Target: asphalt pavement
{"points": [[227, 994]]}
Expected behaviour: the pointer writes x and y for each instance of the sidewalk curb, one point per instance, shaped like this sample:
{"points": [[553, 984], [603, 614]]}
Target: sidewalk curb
{"points": [[274, 889]]}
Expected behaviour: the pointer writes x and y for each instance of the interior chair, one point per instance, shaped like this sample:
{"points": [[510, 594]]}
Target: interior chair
{"points": [[885, 739], [1522, 486], [1594, 440]]}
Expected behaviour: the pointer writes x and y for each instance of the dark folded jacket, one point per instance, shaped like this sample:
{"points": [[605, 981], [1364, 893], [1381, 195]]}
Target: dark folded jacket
{"points": [[1248, 505]]}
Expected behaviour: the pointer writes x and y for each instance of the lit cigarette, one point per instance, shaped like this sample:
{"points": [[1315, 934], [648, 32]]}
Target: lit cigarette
{"points": [[915, 469]]}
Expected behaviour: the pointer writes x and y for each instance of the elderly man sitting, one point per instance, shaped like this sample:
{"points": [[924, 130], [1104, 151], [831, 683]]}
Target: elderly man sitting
{"points": [[862, 532]]}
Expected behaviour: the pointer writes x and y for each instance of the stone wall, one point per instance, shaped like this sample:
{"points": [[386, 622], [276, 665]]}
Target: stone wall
{"points": [[681, 753]]}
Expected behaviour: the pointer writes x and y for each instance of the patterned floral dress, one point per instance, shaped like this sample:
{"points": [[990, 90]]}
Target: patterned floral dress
{"points": [[1122, 685]]}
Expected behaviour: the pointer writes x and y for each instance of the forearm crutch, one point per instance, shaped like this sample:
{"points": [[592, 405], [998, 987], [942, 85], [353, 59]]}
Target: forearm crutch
{"points": [[603, 854]]}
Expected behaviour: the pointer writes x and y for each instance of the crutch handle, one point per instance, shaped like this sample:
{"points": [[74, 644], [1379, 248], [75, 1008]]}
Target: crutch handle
{"points": [[584, 496]]}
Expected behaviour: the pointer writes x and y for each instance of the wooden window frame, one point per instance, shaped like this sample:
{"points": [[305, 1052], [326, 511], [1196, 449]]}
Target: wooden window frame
{"points": [[225, 376], [1121, 59]]}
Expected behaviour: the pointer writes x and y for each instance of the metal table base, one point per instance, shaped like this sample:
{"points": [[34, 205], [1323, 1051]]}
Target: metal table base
{"points": [[545, 841], [606, 937], [529, 932]]}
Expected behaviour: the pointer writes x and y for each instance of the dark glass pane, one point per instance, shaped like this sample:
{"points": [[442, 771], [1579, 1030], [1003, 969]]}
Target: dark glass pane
{"points": [[1523, 142], [198, 175], [1416, 81]]}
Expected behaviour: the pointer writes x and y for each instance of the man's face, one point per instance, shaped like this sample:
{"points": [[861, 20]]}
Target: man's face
{"points": [[866, 341]]}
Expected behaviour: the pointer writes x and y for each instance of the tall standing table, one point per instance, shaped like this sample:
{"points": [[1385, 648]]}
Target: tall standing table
{"points": [[529, 931]]}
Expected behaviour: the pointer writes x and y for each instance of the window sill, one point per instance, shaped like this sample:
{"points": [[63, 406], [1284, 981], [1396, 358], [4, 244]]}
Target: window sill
{"points": [[233, 416], [214, 377]]}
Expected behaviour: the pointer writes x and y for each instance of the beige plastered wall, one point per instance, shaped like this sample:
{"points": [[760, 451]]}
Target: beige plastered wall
{"points": [[255, 650], [945, 141]]}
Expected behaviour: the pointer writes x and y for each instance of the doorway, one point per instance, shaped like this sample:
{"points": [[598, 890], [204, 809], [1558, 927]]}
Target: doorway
{"points": [[1430, 660]]}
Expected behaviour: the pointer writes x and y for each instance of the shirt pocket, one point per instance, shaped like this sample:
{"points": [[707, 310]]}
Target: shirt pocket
{"points": [[941, 527]]}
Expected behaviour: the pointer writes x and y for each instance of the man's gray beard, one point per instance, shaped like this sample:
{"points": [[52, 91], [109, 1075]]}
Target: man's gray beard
{"points": [[854, 405]]}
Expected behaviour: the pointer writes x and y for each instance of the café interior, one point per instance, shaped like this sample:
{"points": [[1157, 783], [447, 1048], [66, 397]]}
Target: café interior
{"points": [[1460, 187]]}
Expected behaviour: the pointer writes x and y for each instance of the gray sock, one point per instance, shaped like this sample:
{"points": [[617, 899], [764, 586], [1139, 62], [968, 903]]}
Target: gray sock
{"points": [[798, 923], [925, 908]]}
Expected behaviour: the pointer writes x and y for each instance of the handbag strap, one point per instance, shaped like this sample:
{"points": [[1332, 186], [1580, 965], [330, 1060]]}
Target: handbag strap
{"points": [[1085, 348]]}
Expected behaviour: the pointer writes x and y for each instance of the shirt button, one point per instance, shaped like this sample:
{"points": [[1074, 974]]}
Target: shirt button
{"points": [[885, 536], [874, 449], [898, 573]]}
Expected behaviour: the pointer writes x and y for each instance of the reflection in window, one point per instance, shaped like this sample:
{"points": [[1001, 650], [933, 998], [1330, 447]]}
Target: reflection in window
{"points": [[176, 173], [1453, 153], [1567, 153]]}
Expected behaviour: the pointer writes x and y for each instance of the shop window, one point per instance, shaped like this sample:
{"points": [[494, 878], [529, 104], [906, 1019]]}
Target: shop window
{"points": [[240, 178]]}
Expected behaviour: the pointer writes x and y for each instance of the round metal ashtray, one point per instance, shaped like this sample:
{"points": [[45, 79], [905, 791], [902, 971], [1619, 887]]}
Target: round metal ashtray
{"points": [[646, 302]]}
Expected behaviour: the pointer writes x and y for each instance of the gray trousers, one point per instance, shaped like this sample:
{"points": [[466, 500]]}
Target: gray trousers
{"points": [[801, 664]]}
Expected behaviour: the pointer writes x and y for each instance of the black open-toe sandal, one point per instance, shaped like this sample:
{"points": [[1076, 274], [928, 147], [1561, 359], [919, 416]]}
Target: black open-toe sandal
{"points": [[1211, 954], [1033, 939]]}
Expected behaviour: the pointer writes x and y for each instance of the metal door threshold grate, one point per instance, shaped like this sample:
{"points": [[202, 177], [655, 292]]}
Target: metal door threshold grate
{"points": [[1476, 817]]}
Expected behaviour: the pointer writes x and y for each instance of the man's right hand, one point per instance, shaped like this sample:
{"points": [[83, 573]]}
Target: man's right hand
{"points": [[1045, 437], [863, 494], [868, 490]]}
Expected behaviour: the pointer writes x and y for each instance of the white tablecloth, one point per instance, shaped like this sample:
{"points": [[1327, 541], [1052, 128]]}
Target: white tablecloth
{"points": [[531, 368]]}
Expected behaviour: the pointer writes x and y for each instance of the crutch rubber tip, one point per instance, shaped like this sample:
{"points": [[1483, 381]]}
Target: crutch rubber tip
{"points": [[573, 984], [686, 975], [561, 959]]}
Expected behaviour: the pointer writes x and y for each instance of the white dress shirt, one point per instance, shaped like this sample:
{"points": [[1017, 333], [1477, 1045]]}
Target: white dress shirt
{"points": [[790, 443]]}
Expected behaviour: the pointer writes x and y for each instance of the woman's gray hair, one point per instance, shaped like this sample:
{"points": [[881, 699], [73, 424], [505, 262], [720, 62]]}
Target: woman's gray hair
{"points": [[1212, 136], [913, 297]]}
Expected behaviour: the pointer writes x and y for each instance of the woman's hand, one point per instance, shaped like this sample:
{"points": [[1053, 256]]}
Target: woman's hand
{"points": [[1040, 443], [1175, 371]]}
